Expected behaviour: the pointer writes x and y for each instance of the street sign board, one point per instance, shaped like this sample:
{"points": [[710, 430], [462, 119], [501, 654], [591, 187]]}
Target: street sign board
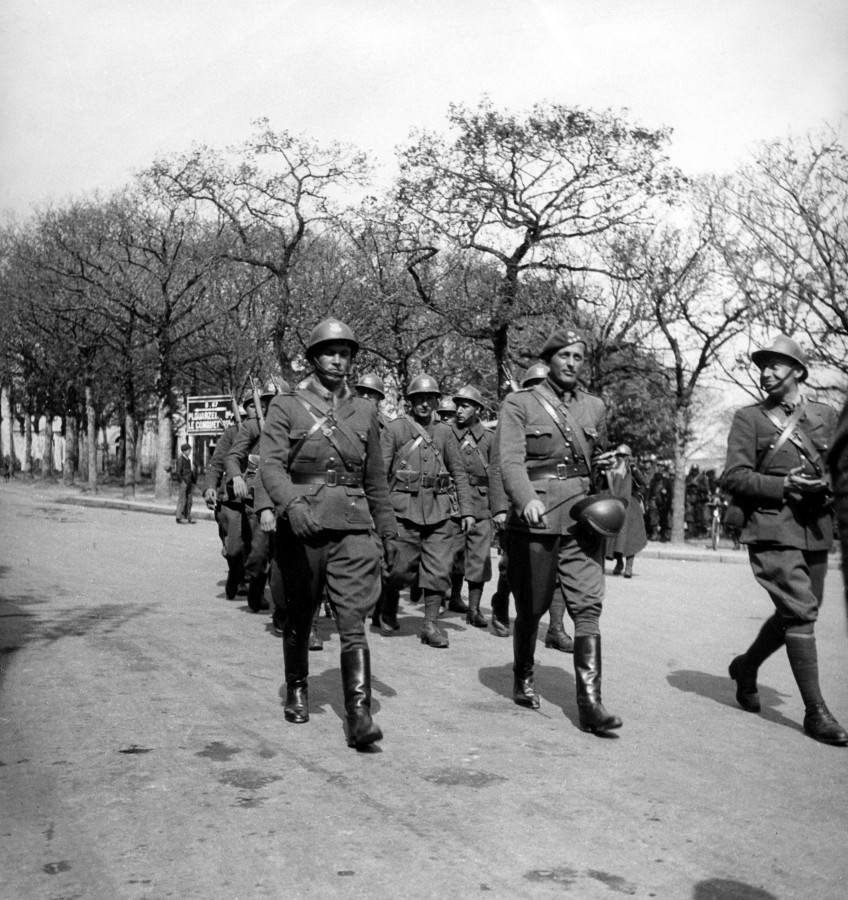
{"points": [[209, 415]]}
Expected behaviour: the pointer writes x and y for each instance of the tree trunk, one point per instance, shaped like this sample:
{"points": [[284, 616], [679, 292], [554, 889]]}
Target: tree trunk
{"points": [[91, 437], [69, 464], [678, 509], [164, 461], [7, 428], [129, 447], [26, 468], [47, 468]]}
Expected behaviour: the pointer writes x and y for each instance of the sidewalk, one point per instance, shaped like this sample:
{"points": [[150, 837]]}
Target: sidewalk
{"points": [[110, 497]]}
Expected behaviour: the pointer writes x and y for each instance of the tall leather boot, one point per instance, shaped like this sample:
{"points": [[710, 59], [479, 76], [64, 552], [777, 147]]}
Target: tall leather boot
{"points": [[523, 684], [315, 642], [587, 674], [356, 681], [819, 722], [256, 593], [743, 669], [500, 607], [235, 571], [296, 657], [474, 616], [557, 637]]}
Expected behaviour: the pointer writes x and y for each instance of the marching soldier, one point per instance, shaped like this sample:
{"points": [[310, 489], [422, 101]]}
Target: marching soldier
{"points": [[229, 512], [446, 411], [838, 462], [778, 477], [421, 457], [556, 638], [323, 470], [474, 545], [242, 464], [547, 445], [370, 387]]}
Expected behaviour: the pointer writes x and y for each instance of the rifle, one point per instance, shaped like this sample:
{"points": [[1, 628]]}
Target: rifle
{"points": [[257, 405], [507, 370], [236, 412]]}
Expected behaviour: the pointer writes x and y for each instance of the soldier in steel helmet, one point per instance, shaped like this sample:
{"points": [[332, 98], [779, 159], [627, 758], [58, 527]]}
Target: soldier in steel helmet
{"points": [[777, 474], [446, 411], [473, 547], [229, 512], [241, 466], [422, 457], [322, 468], [370, 387], [548, 445]]}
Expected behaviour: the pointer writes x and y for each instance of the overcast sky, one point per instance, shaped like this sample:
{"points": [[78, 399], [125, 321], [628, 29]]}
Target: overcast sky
{"points": [[94, 89]]}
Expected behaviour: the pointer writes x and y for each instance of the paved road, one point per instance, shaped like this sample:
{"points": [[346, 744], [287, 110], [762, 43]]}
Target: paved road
{"points": [[144, 754]]}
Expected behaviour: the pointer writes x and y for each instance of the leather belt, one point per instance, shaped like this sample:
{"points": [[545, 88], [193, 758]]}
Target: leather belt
{"points": [[330, 477], [478, 480], [560, 471], [439, 484]]}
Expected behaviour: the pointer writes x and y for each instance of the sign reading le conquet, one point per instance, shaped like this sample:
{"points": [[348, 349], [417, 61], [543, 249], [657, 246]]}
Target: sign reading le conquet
{"points": [[208, 415]]}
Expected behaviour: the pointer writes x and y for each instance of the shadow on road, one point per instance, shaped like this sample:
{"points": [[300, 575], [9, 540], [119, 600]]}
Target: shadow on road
{"points": [[721, 689], [728, 889]]}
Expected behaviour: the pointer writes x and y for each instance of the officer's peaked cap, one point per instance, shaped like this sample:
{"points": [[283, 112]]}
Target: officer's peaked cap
{"points": [[783, 346], [537, 372], [330, 330], [372, 382], [469, 392], [561, 337], [423, 384]]}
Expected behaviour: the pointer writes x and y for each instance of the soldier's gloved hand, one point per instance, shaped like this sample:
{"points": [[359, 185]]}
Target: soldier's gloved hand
{"points": [[390, 549], [467, 523], [604, 460], [804, 484], [210, 496], [534, 514], [268, 520], [239, 487], [301, 519]]}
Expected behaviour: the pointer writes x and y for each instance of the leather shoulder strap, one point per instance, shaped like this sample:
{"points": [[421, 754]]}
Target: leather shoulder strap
{"points": [[562, 419]]}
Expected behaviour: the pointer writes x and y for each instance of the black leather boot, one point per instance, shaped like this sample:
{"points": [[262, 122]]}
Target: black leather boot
{"points": [[523, 685], [456, 602], [385, 615], [500, 608], [296, 657], [356, 681], [587, 674], [743, 669], [557, 638], [474, 616], [819, 722], [234, 575], [256, 593]]}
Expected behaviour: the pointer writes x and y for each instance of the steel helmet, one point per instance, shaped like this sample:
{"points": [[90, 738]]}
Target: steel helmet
{"points": [[536, 373], [446, 405], [783, 346], [423, 384], [469, 393], [330, 330], [623, 450], [601, 513], [372, 382]]}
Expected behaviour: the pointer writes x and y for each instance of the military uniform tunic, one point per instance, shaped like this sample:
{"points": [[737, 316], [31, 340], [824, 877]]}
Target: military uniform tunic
{"points": [[474, 547], [335, 467], [420, 468], [538, 460], [233, 528], [788, 536]]}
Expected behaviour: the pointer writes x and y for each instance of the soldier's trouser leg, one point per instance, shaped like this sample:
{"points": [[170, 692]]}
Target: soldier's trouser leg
{"points": [[532, 573], [457, 571], [231, 528], [500, 599]]}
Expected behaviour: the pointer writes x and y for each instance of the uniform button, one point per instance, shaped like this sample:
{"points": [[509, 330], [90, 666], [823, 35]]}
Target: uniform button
{"points": [[332, 459]]}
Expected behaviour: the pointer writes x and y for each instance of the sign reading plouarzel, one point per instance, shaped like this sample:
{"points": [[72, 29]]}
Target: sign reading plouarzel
{"points": [[208, 415]]}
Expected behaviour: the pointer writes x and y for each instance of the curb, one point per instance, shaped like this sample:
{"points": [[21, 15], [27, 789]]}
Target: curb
{"points": [[678, 554]]}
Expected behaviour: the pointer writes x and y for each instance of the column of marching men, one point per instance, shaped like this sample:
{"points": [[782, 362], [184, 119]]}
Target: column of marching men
{"points": [[321, 497]]}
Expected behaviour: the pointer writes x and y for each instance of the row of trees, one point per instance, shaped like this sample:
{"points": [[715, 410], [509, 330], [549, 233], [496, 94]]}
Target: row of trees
{"points": [[213, 266]]}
